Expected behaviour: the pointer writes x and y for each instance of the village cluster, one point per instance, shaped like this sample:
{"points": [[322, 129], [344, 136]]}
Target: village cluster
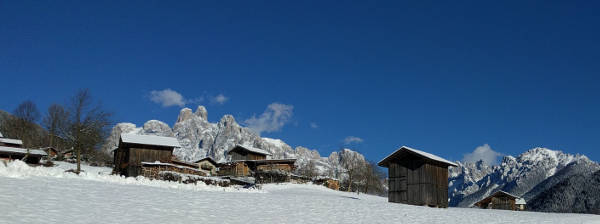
{"points": [[415, 177]]}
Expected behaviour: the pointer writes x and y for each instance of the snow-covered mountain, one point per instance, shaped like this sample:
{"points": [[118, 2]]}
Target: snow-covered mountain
{"points": [[579, 193], [200, 138], [527, 175]]}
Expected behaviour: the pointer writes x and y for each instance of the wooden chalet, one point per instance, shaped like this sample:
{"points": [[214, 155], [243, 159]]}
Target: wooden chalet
{"points": [[208, 164], [234, 169], [51, 151], [502, 200], [11, 149], [240, 152], [134, 149], [417, 177], [249, 161]]}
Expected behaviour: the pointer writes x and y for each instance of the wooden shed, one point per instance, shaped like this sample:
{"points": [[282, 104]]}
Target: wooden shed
{"points": [[241, 152], [502, 200], [235, 169], [208, 164], [11, 149], [51, 151], [135, 149], [417, 177]]}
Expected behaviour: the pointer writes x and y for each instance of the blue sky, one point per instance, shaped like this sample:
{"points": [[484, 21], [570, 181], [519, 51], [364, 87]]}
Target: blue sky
{"points": [[443, 77]]}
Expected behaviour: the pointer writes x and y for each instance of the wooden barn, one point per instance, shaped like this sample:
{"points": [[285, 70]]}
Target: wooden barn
{"points": [[250, 161], [240, 152], [209, 165], [235, 169], [11, 149], [417, 177], [502, 200], [134, 149], [268, 165], [51, 151]]}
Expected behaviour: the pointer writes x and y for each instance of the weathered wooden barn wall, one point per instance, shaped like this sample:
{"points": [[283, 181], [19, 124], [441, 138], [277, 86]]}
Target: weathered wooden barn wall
{"points": [[506, 203], [128, 157], [242, 155], [235, 169], [208, 166], [417, 182], [416, 177], [499, 200]]}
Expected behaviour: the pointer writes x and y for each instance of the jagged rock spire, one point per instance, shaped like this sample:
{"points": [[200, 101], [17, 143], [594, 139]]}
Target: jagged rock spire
{"points": [[201, 113], [184, 114]]}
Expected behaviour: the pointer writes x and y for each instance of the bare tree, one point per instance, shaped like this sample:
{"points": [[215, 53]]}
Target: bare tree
{"points": [[89, 124], [309, 170], [352, 164], [22, 125], [373, 179], [55, 122]]}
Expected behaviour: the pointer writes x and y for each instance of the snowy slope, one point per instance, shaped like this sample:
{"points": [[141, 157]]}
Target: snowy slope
{"points": [[33, 197], [200, 138]]}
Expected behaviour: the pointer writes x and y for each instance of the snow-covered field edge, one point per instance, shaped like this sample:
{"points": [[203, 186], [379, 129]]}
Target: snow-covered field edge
{"points": [[19, 169]]}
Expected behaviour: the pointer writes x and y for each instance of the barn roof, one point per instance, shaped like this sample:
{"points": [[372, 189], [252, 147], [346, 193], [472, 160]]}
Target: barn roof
{"points": [[211, 160], [22, 151], [249, 149], [420, 153], [11, 141], [517, 198], [150, 140]]}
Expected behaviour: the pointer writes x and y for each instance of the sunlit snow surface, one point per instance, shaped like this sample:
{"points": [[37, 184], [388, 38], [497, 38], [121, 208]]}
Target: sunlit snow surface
{"points": [[46, 195]]}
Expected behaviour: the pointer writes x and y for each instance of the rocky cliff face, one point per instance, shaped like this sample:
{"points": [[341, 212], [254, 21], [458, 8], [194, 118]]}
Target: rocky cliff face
{"points": [[200, 138], [469, 183]]}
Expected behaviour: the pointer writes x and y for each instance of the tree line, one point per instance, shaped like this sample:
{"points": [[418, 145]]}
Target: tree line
{"points": [[354, 173], [81, 124]]}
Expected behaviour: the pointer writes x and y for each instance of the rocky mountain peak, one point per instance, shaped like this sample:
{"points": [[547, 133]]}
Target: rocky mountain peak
{"points": [[201, 113], [156, 127], [471, 182], [184, 114], [228, 120]]}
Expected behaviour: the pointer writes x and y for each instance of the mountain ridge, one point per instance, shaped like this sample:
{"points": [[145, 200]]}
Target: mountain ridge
{"points": [[527, 175]]}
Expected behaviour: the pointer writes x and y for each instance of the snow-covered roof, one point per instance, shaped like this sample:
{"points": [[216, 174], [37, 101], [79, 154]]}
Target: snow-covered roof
{"points": [[251, 149], [22, 150], [206, 158], [11, 141], [150, 140], [384, 161], [518, 200]]}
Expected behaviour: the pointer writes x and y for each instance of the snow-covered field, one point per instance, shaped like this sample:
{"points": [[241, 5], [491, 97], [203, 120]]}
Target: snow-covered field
{"points": [[48, 195]]}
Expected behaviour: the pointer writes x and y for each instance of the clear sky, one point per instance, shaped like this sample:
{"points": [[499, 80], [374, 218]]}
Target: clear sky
{"points": [[443, 77]]}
